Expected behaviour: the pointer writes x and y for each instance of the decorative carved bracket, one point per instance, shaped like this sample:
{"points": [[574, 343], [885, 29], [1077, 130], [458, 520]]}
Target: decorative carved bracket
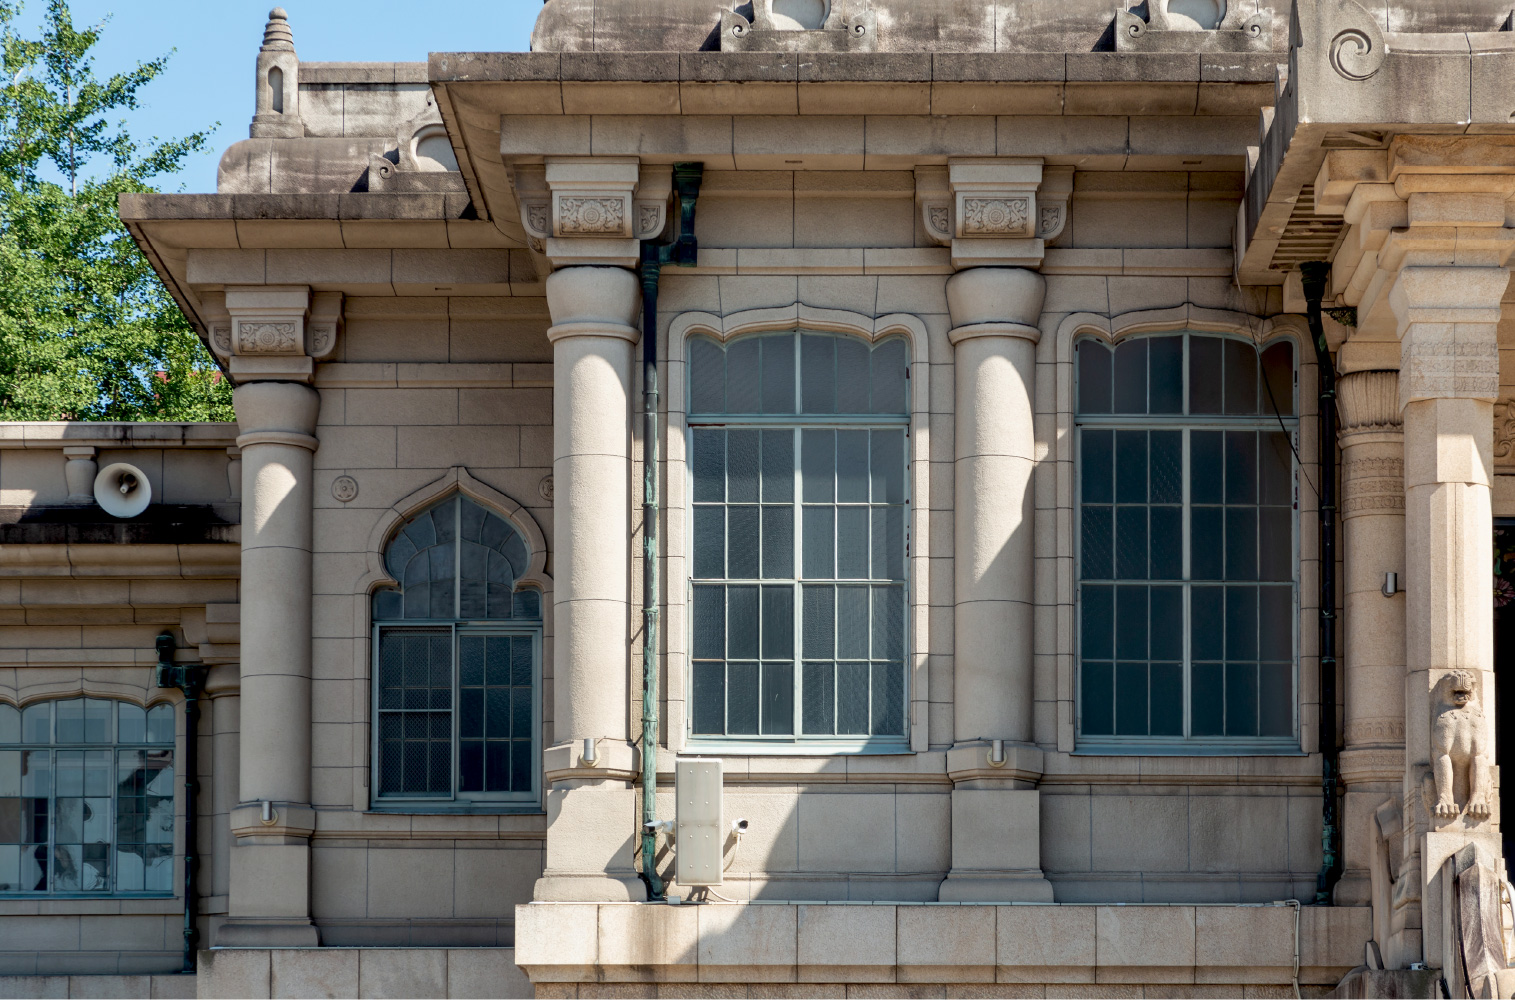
{"points": [[1000, 211], [584, 210], [273, 331]]}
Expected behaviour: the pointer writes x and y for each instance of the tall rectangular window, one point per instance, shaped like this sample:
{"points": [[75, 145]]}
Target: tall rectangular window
{"points": [[799, 453], [1188, 565]]}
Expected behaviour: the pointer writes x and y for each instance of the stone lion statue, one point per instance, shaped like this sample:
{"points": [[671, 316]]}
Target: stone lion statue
{"points": [[1459, 747]]}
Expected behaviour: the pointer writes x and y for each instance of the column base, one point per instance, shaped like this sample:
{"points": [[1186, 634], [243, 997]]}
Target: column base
{"points": [[995, 887], [590, 889], [1354, 889], [241, 932]]}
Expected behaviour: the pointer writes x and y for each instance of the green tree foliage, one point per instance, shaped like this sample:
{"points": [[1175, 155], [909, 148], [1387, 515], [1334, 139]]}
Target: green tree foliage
{"points": [[87, 332]]}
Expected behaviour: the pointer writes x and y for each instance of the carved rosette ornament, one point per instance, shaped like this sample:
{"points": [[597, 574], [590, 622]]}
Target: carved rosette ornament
{"points": [[267, 338], [1504, 433]]}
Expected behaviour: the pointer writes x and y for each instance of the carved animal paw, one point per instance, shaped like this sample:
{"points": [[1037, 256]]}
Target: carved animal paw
{"points": [[1446, 809], [1478, 808]]}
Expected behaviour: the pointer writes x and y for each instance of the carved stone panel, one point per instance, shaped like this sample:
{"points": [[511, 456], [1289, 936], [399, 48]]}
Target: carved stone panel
{"points": [[267, 338], [593, 216], [996, 216]]}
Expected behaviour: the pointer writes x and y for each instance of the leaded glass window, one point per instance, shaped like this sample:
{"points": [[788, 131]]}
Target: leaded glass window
{"points": [[1188, 564], [86, 798], [799, 452], [458, 669]]}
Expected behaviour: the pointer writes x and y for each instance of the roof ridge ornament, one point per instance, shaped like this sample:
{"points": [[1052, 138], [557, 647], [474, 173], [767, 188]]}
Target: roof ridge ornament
{"points": [[276, 34], [798, 26], [1193, 26]]}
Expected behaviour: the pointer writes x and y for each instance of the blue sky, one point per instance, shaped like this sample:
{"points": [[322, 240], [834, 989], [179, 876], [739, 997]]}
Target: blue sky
{"points": [[210, 76]]}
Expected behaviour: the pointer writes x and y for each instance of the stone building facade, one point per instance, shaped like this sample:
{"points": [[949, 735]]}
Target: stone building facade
{"points": [[1054, 406]]}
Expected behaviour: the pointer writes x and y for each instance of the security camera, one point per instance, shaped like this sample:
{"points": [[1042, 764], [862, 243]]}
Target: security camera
{"points": [[739, 827]]}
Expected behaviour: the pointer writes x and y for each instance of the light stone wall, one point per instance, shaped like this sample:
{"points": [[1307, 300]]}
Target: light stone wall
{"points": [[1126, 828], [426, 398]]}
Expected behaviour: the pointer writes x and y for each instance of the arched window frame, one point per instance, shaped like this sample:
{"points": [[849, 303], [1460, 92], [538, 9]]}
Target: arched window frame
{"points": [[70, 731], [841, 328], [460, 488], [1133, 327]]}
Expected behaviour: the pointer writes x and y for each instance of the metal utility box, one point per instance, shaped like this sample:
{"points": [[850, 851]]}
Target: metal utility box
{"points": [[700, 837]]}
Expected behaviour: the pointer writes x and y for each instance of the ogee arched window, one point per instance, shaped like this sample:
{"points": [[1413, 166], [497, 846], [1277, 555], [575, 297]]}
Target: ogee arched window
{"points": [[457, 670]]}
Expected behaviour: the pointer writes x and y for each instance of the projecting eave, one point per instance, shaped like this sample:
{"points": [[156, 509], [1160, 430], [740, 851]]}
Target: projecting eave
{"points": [[804, 111], [1336, 97], [360, 243]]}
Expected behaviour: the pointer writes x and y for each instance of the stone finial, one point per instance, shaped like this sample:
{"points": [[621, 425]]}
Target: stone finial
{"points": [[276, 34]]}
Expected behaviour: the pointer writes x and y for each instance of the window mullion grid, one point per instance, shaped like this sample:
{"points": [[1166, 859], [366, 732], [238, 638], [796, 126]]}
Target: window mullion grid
{"points": [[1187, 579], [454, 771], [797, 638]]}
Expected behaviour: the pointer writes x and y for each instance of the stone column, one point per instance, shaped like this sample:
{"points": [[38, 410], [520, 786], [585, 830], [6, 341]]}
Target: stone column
{"points": [[591, 806], [996, 851], [223, 692], [1447, 321], [1373, 528], [270, 866]]}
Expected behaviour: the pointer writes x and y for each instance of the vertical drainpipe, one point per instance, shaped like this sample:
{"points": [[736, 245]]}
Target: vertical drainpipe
{"points": [[189, 678], [1315, 275], [682, 252]]}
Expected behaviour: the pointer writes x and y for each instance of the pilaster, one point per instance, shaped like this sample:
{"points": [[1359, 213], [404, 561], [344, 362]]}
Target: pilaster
{"points": [[1373, 528], [994, 767], [272, 336]]}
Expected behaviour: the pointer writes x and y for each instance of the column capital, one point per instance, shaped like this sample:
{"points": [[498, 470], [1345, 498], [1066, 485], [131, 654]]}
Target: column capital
{"points": [[274, 332], [1447, 320], [592, 210], [1368, 402], [994, 210], [593, 301], [276, 413], [995, 301]]}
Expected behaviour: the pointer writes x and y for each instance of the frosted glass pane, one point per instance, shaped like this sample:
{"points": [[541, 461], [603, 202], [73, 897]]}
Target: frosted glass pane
{"points": [[1275, 699], [1276, 469], [852, 699], [1131, 623], [1241, 543], [778, 542], [778, 466], [888, 543], [707, 376], [852, 466], [1097, 621], [888, 699], [778, 374], [818, 466], [1094, 365], [852, 543], [710, 542], [887, 466], [1167, 699], [71, 721], [778, 623], [1096, 701], [743, 376], [742, 543], [10, 724], [1097, 549], [709, 465], [1166, 364], [742, 699], [1278, 379], [1131, 376], [709, 618], [742, 623], [1131, 466], [818, 373], [820, 622], [1131, 543], [1241, 378], [742, 461], [1131, 699], [852, 376], [889, 623], [890, 365], [778, 699], [1241, 623], [1241, 699], [1241, 467], [820, 530], [709, 709], [1205, 384], [852, 627], [819, 709], [1166, 479]]}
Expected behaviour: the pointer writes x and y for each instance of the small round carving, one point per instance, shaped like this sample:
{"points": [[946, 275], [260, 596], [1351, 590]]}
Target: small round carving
{"points": [[1354, 56], [344, 488], [544, 488]]}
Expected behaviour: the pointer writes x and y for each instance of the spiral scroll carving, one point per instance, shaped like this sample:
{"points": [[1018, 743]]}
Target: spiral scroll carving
{"points": [[1356, 54]]}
